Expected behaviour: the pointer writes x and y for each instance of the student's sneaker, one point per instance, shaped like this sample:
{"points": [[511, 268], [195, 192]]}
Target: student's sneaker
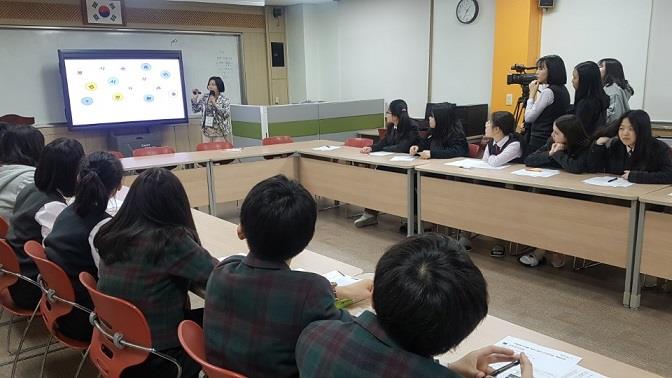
{"points": [[531, 260], [367, 219], [498, 251], [558, 260]]}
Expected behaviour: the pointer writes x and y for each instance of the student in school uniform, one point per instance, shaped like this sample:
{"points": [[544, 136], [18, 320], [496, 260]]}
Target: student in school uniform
{"points": [[590, 100], [67, 244], [55, 179], [549, 99], [445, 139], [401, 133], [150, 255], [616, 87], [20, 149], [428, 296], [255, 305], [505, 146], [634, 154], [566, 149]]}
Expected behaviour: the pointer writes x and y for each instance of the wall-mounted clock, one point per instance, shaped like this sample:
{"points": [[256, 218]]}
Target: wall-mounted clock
{"points": [[467, 11]]}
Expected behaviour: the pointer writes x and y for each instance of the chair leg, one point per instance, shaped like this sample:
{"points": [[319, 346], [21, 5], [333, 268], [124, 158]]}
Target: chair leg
{"points": [[44, 356], [25, 332], [81, 363]]}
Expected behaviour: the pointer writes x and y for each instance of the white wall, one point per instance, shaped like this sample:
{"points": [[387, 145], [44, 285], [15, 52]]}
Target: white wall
{"points": [[657, 97], [296, 54], [462, 54], [580, 30]]}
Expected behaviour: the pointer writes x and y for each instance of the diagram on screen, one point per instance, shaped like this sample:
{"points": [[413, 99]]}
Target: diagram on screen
{"points": [[124, 90]]}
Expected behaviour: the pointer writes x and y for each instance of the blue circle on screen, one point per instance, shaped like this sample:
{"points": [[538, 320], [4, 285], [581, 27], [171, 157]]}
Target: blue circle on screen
{"points": [[149, 98], [87, 100], [165, 74], [113, 81], [146, 66]]}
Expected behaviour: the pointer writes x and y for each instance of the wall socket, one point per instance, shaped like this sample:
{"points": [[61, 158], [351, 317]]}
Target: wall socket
{"points": [[509, 99]]}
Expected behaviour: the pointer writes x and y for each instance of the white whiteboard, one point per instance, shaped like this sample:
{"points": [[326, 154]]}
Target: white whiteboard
{"points": [[657, 94], [31, 83]]}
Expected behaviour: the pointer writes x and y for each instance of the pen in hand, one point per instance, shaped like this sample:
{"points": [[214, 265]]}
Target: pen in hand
{"points": [[613, 179]]}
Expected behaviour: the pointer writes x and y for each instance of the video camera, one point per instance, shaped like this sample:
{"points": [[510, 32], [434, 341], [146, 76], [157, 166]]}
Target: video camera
{"points": [[521, 77]]}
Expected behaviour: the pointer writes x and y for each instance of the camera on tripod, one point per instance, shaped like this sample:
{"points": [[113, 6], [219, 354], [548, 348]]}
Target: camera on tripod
{"points": [[523, 79]]}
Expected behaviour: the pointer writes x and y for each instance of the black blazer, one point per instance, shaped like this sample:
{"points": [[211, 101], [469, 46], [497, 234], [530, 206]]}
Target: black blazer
{"points": [[445, 148], [592, 113], [613, 158], [394, 141], [574, 162]]}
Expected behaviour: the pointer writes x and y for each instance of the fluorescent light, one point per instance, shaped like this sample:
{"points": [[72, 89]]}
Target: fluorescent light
{"points": [[252, 3]]}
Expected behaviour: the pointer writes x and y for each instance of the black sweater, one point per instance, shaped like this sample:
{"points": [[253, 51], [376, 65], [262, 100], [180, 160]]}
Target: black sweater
{"points": [[445, 148], [394, 141], [592, 113], [574, 162], [615, 159]]}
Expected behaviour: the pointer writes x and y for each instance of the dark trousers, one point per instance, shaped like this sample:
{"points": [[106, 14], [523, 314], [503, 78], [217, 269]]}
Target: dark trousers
{"points": [[25, 295], [155, 366]]}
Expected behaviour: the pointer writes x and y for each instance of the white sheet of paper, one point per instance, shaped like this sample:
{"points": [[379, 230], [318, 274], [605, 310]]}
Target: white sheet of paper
{"points": [[209, 120], [233, 149], [610, 181], [581, 372], [326, 148], [547, 362], [536, 172], [403, 158], [339, 278], [381, 153], [474, 163]]}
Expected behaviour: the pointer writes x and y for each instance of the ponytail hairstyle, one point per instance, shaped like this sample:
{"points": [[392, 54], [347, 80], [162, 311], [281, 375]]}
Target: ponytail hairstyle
{"points": [[399, 109], [448, 127], [99, 176]]}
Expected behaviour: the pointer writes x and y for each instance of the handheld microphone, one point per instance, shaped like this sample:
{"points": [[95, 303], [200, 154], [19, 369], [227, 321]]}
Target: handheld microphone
{"points": [[212, 93]]}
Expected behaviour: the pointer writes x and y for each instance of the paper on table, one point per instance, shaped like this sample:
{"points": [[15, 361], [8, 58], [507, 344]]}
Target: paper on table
{"points": [[232, 149], [403, 158], [581, 372], [474, 163], [547, 362], [614, 182], [339, 278], [536, 172], [326, 148], [381, 153]]}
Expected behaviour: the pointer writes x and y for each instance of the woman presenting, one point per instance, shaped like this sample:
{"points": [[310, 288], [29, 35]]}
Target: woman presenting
{"points": [[216, 121]]}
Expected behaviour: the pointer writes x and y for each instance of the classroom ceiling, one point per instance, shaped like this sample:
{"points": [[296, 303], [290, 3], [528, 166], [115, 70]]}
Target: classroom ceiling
{"points": [[258, 2]]}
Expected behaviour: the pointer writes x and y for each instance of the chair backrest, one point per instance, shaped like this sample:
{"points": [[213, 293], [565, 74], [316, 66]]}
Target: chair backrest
{"points": [[15, 119], [381, 132], [55, 279], [121, 318], [223, 145], [359, 142], [150, 151], [191, 338], [8, 263], [4, 227], [280, 139], [474, 150], [117, 154]]}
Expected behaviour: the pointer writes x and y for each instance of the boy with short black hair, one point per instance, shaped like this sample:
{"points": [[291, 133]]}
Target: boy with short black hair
{"points": [[255, 306]]}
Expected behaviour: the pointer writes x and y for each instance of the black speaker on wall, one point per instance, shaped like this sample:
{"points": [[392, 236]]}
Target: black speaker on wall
{"points": [[546, 3], [277, 54]]}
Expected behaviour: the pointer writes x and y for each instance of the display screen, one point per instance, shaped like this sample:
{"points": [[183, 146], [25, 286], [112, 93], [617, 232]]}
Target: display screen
{"points": [[122, 88]]}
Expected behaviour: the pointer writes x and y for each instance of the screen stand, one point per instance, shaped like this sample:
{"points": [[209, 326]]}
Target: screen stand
{"points": [[125, 141]]}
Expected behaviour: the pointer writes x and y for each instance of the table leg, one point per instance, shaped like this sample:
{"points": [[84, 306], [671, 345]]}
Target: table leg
{"points": [[417, 204], [410, 224], [212, 200], [635, 292]]}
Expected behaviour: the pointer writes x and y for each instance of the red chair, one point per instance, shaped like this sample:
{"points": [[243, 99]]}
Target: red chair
{"points": [[191, 338], [211, 146], [474, 150], [280, 139], [381, 132], [15, 119], [117, 154], [121, 336], [10, 273], [4, 227], [58, 299], [151, 151], [358, 142]]}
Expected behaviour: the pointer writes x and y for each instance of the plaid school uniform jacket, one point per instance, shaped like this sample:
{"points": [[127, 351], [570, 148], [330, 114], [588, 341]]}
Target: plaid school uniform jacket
{"points": [[158, 288], [359, 348], [255, 311]]}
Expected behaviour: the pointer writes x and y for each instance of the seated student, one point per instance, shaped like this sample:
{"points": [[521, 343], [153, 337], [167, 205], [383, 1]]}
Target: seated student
{"points": [[20, 149], [150, 255], [68, 242], [255, 305], [446, 137], [635, 155], [55, 179], [505, 146], [590, 100], [401, 134], [567, 148], [428, 296]]}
